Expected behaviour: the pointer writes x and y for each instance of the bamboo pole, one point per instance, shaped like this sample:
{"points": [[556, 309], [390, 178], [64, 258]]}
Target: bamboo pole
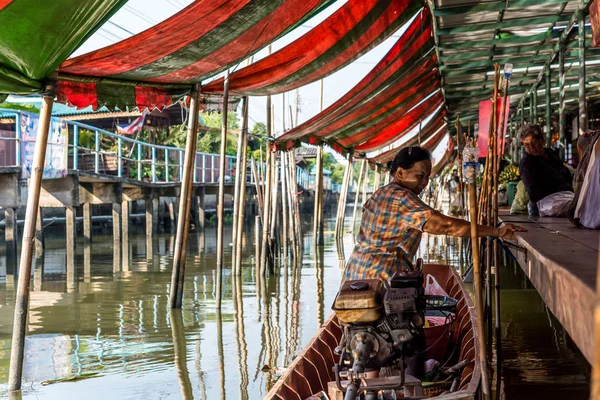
{"points": [[183, 222], [33, 200], [341, 212], [377, 180], [497, 322], [258, 184], [562, 120], [485, 382], [221, 198], [242, 203], [238, 183], [583, 120], [266, 220], [318, 211], [295, 207], [284, 208], [363, 168]]}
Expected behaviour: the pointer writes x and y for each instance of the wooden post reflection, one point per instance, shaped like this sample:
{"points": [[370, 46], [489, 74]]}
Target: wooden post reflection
{"points": [[219, 323], [241, 345], [180, 357], [320, 275]]}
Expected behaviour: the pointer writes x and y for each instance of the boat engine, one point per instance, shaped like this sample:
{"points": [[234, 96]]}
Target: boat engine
{"points": [[382, 331]]}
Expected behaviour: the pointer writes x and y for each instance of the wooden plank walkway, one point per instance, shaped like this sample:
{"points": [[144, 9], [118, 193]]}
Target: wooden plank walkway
{"points": [[561, 262]]}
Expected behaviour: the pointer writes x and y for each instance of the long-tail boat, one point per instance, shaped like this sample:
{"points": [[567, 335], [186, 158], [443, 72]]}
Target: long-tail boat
{"points": [[311, 374]]}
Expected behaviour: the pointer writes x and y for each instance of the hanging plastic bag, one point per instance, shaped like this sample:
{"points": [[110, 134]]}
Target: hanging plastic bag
{"points": [[555, 205], [433, 287]]}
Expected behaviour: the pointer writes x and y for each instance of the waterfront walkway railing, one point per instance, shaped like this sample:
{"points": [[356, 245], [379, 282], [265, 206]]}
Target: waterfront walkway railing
{"points": [[102, 152]]}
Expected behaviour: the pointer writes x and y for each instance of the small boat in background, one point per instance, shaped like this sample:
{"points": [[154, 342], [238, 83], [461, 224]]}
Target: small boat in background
{"points": [[311, 374]]}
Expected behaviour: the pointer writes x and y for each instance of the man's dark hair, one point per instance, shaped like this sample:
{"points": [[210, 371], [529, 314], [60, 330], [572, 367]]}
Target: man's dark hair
{"points": [[408, 156], [531, 130]]}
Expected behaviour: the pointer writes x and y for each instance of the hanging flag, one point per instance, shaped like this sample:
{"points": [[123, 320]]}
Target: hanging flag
{"points": [[485, 113], [135, 126]]}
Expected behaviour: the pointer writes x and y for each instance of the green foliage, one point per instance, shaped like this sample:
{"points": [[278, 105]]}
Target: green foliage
{"points": [[210, 140], [28, 107], [328, 160], [337, 173]]}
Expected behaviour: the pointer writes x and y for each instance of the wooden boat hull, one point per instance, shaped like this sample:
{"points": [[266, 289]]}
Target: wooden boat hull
{"points": [[311, 370]]}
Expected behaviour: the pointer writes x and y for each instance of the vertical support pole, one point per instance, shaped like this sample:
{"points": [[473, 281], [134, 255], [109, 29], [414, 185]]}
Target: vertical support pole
{"points": [[167, 165], [87, 222], [10, 234], [33, 198], [97, 152], [39, 234], [583, 119], [361, 177], [238, 183], [185, 199], [485, 380], [535, 105], [116, 218], [71, 236], [562, 120], [221, 196], [531, 112], [341, 214], [18, 138], [548, 111], [318, 212], [267, 194], [120, 157], [151, 206], [522, 112], [125, 234], [242, 177], [284, 208], [139, 162], [153, 164], [75, 147]]}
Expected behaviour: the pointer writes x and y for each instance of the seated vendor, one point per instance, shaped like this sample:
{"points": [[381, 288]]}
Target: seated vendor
{"points": [[547, 180], [394, 218]]}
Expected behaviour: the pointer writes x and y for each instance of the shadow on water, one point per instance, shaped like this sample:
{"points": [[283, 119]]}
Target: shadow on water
{"points": [[108, 318]]}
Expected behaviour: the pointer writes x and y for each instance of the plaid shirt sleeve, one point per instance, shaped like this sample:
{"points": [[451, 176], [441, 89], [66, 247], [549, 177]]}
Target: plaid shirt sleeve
{"points": [[413, 211]]}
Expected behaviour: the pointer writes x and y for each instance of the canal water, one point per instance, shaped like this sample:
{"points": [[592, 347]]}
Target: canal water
{"points": [[106, 326]]}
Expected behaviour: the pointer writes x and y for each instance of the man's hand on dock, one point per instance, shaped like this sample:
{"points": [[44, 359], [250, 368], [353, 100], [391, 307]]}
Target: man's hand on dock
{"points": [[507, 231]]}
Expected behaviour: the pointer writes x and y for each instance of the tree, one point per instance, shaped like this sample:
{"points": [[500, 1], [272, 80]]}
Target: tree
{"points": [[337, 173], [210, 140]]}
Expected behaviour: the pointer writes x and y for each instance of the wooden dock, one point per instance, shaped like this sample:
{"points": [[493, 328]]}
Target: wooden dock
{"points": [[561, 262]]}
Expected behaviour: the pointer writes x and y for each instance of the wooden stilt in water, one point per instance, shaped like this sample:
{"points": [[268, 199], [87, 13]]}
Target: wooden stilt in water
{"points": [[284, 208], [10, 234], [221, 196], [363, 170], [238, 183], [151, 206], [318, 211], [185, 198], [485, 380], [341, 214], [116, 221], [266, 216], [242, 203], [33, 198], [71, 243], [87, 222], [125, 214], [40, 243]]}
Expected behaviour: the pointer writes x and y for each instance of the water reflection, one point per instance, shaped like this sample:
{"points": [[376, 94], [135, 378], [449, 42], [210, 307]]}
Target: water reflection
{"points": [[99, 317]]}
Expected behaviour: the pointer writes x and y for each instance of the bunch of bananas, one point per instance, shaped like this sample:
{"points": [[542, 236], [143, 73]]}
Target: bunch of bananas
{"points": [[510, 174]]}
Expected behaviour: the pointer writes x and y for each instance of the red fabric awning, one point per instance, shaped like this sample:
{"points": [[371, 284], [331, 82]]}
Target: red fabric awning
{"points": [[372, 139], [404, 77], [433, 126], [354, 29]]}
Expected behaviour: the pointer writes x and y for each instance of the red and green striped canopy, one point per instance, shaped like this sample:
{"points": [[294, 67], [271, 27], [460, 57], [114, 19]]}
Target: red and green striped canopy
{"points": [[354, 29], [431, 133], [37, 35], [401, 91]]}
